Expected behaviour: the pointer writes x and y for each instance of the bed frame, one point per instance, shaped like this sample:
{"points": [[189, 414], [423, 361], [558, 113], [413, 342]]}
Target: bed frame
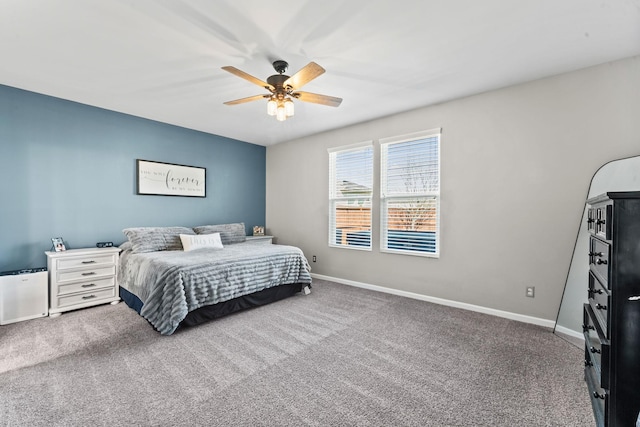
{"points": [[223, 308]]}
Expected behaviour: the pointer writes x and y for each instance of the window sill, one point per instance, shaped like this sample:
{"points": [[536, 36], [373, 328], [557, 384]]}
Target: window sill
{"points": [[411, 253], [353, 247]]}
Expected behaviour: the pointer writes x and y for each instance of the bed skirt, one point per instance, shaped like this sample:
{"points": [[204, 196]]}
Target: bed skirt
{"points": [[209, 312]]}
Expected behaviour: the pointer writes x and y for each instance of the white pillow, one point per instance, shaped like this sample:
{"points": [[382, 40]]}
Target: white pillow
{"points": [[191, 242]]}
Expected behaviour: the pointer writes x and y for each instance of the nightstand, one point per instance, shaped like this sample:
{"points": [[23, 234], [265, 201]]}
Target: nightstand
{"points": [[81, 278], [260, 240]]}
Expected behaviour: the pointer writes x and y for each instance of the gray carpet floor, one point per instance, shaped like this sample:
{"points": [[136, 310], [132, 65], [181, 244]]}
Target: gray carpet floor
{"points": [[341, 356]]}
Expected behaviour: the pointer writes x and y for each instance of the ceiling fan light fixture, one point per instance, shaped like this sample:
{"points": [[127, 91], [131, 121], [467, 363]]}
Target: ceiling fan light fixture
{"points": [[283, 88], [272, 107], [288, 107]]}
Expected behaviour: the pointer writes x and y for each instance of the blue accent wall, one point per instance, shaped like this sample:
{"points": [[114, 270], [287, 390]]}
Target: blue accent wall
{"points": [[69, 170]]}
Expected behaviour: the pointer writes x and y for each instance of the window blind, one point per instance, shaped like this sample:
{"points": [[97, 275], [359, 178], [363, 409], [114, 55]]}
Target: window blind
{"points": [[350, 190], [410, 194]]}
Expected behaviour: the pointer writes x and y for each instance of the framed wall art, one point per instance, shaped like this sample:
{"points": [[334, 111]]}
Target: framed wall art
{"points": [[167, 179]]}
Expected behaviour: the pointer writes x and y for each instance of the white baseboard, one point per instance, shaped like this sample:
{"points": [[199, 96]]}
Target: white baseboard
{"points": [[570, 332], [492, 311]]}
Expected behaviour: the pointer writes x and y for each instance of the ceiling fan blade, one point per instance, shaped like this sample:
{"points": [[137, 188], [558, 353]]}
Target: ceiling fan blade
{"points": [[247, 99], [248, 77], [315, 98], [304, 76]]}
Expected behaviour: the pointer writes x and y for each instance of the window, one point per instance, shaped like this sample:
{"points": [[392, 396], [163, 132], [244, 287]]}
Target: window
{"points": [[410, 194], [350, 190]]}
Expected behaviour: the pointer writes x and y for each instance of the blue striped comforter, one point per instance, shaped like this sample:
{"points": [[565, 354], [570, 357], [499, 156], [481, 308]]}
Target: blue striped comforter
{"points": [[173, 283]]}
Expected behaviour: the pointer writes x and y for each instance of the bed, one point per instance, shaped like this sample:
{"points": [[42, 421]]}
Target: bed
{"points": [[178, 276]]}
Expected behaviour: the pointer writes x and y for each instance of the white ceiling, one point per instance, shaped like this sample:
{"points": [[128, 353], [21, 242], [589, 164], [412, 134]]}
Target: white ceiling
{"points": [[161, 59]]}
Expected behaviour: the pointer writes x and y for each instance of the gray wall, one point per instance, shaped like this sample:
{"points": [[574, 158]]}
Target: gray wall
{"points": [[68, 170], [516, 167]]}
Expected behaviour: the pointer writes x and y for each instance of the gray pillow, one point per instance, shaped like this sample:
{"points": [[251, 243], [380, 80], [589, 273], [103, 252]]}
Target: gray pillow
{"points": [[152, 239], [229, 233]]}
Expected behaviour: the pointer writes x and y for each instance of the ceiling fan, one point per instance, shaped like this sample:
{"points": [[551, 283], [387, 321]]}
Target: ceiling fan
{"points": [[283, 89]]}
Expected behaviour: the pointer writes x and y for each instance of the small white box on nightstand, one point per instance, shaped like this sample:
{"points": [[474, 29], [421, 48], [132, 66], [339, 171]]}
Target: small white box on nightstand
{"points": [[24, 295]]}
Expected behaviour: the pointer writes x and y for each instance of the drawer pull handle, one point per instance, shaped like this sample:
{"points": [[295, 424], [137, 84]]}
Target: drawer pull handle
{"points": [[598, 395], [588, 363], [600, 221], [88, 297], [595, 291], [596, 254], [88, 285], [595, 350], [89, 262], [585, 328], [601, 307], [601, 261], [91, 273]]}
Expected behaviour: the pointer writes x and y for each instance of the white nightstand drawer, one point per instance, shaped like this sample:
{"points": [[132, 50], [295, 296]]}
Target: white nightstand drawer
{"points": [[86, 274], [71, 288], [88, 297], [86, 261]]}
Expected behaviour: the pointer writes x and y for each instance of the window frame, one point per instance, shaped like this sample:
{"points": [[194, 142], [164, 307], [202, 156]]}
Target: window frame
{"points": [[335, 198], [387, 196]]}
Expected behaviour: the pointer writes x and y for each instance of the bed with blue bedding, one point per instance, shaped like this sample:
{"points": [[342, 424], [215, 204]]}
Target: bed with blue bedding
{"points": [[171, 278]]}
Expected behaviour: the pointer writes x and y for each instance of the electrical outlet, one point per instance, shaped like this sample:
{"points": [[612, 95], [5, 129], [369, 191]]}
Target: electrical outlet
{"points": [[314, 258], [531, 291]]}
